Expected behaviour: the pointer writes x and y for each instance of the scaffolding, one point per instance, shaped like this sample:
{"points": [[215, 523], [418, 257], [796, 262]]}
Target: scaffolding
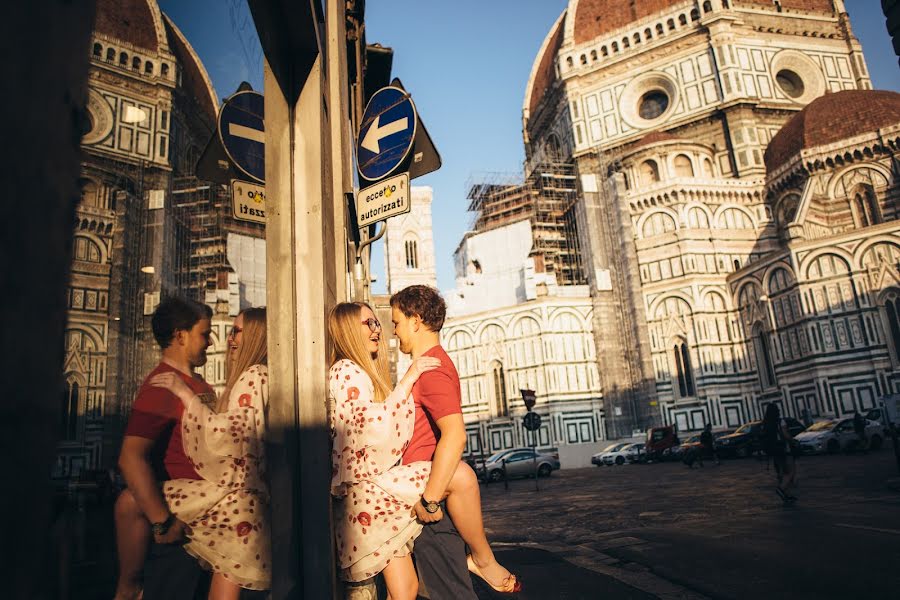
{"points": [[547, 199]]}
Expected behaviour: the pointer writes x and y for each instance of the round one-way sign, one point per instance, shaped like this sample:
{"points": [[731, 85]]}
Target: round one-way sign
{"points": [[387, 133], [242, 130]]}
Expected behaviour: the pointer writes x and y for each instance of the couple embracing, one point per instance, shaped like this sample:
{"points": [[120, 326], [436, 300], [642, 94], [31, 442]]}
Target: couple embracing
{"points": [[396, 457]]}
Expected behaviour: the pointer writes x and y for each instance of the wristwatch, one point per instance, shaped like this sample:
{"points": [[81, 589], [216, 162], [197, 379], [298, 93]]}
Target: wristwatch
{"points": [[430, 507], [163, 528]]}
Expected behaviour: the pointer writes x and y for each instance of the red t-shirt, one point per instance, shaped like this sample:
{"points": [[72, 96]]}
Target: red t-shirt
{"points": [[156, 415], [436, 395]]}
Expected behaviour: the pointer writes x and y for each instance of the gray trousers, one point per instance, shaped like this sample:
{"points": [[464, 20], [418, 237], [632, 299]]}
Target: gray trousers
{"points": [[440, 556]]}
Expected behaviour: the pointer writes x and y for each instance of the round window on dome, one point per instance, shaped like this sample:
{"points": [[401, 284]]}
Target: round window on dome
{"points": [[653, 104], [790, 83]]}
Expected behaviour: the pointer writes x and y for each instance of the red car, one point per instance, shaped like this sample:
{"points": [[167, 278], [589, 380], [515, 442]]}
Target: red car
{"points": [[658, 439]]}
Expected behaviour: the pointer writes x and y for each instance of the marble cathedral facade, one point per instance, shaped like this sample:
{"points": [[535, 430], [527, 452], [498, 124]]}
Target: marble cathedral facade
{"points": [[737, 180]]}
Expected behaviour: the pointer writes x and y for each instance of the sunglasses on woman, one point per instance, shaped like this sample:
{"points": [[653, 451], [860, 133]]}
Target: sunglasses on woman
{"points": [[373, 324]]}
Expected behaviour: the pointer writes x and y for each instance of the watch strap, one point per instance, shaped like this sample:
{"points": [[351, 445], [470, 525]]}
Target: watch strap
{"points": [[430, 507], [163, 527]]}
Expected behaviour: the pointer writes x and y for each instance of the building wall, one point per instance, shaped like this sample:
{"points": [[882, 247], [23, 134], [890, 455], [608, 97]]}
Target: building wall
{"points": [[545, 345]]}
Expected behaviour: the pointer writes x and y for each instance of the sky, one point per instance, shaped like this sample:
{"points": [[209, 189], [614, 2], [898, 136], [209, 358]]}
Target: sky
{"points": [[466, 64]]}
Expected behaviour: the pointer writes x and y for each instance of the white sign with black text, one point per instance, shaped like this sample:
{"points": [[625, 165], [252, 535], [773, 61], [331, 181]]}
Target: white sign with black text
{"points": [[248, 201], [388, 198]]}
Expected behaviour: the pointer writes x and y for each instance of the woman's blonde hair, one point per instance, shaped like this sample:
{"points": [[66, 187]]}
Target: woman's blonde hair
{"points": [[253, 350], [344, 323]]}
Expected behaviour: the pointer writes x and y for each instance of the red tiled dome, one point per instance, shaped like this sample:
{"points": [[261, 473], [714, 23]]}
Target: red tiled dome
{"points": [[544, 71], [832, 118], [133, 21], [194, 77], [594, 18]]}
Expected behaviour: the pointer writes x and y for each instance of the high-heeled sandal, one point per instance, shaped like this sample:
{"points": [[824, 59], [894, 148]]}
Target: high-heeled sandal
{"points": [[510, 585]]}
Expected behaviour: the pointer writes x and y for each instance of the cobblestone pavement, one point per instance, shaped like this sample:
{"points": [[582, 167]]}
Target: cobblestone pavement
{"points": [[717, 531]]}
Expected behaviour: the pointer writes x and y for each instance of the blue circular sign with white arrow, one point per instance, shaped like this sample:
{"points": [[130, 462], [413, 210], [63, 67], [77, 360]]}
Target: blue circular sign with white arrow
{"points": [[242, 130], [387, 133]]}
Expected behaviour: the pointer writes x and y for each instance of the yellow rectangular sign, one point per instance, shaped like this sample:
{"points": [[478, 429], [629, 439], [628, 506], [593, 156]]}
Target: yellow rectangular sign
{"points": [[248, 201], [387, 198]]}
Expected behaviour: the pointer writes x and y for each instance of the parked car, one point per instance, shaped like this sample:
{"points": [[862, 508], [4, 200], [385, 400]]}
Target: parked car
{"points": [[519, 462], [879, 415], [748, 438], [625, 453], [834, 435], [677, 451], [658, 440], [612, 450], [636, 453]]}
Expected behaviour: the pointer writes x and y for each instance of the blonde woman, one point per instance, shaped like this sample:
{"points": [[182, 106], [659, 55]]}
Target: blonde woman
{"points": [[374, 493], [227, 510]]}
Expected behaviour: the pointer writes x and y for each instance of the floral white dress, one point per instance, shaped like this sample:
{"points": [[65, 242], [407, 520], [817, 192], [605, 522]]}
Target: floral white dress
{"points": [[227, 510], [374, 493]]}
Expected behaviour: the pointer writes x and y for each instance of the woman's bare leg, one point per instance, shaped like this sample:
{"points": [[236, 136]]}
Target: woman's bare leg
{"points": [[400, 579], [132, 540], [464, 506], [223, 589]]}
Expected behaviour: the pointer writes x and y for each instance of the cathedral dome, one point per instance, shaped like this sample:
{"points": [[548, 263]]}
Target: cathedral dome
{"points": [[137, 22], [594, 18], [194, 76], [543, 72], [830, 119]]}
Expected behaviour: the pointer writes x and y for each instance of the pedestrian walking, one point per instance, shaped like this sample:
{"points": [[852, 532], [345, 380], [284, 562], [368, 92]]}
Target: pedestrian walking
{"points": [[859, 427], [708, 444], [778, 444]]}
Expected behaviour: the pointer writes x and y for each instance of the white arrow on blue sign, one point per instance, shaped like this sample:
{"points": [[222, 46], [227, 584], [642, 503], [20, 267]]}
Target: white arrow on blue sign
{"points": [[387, 133], [242, 131]]}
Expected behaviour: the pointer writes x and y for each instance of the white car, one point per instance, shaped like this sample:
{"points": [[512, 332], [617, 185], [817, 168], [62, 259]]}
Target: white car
{"points": [[835, 435], [616, 454]]}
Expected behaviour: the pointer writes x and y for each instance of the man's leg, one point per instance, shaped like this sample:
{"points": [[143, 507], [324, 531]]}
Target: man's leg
{"points": [[440, 556], [132, 541]]}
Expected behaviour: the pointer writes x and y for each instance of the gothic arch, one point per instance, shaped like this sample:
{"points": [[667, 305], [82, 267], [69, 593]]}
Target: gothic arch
{"points": [[657, 306], [459, 340], [556, 321], [709, 302], [97, 341], [839, 175], [95, 241], [520, 321], [692, 207], [860, 254], [490, 325], [773, 270], [809, 261], [722, 211], [670, 218]]}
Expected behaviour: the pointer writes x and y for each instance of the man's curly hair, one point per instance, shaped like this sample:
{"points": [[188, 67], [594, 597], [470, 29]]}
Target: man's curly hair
{"points": [[424, 302]]}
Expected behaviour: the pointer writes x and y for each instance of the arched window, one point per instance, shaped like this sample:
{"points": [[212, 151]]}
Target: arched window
{"points": [[110, 55], [865, 207], [165, 70], [412, 254], [604, 51], [682, 20], [683, 370], [764, 367], [649, 171], [136, 63], [90, 194], [707, 6], [697, 218], [892, 315], [695, 15], [593, 55], [671, 24], [148, 68], [68, 411], [98, 50], [123, 59], [626, 43], [648, 34], [683, 166], [660, 30], [615, 46], [707, 167], [583, 59], [637, 38], [501, 403]]}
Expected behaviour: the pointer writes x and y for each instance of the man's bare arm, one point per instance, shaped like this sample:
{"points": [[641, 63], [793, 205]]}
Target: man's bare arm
{"points": [[447, 455], [134, 463]]}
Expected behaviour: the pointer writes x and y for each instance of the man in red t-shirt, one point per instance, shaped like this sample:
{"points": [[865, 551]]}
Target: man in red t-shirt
{"points": [[439, 435], [152, 449]]}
